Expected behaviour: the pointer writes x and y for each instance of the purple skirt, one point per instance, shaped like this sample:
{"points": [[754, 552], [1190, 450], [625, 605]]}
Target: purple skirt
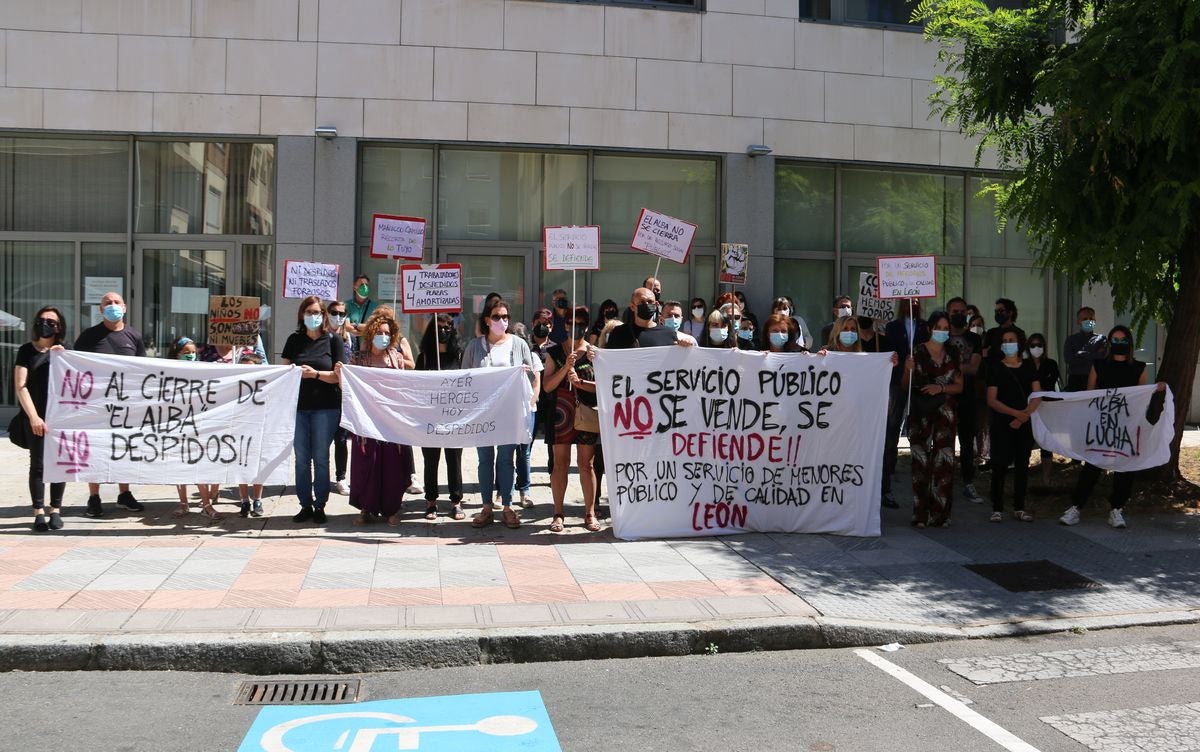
{"points": [[380, 473]]}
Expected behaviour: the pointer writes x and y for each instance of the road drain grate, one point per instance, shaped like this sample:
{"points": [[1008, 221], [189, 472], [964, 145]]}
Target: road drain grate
{"points": [[1033, 576], [297, 692]]}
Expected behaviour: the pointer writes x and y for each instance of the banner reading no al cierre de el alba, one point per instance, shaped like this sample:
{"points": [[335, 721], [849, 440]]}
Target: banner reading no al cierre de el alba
{"points": [[702, 441], [118, 419]]}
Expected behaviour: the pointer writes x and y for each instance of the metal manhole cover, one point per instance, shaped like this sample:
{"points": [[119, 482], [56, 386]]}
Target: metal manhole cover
{"points": [[298, 692], [1032, 576]]}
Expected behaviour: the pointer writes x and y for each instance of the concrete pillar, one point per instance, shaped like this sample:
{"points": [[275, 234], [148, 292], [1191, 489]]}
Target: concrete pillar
{"points": [[748, 201]]}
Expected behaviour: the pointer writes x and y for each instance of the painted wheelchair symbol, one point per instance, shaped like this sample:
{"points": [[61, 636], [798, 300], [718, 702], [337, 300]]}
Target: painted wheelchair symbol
{"points": [[407, 737]]}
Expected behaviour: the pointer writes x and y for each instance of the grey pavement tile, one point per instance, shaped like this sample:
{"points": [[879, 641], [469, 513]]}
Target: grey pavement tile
{"points": [[569, 550], [211, 566], [472, 551], [126, 582], [222, 552], [150, 619], [597, 575], [337, 581], [791, 604], [427, 564], [364, 551], [407, 551], [509, 614], [157, 553], [597, 612], [215, 581], [670, 610], [96, 552], [211, 618], [754, 605], [144, 566], [357, 565], [405, 580], [62, 582], [684, 573], [77, 566], [102, 620], [472, 579], [444, 616], [351, 617], [40, 620], [654, 559], [286, 618]]}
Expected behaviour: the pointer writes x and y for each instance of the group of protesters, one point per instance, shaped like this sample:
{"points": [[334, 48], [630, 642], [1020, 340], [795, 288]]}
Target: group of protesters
{"points": [[952, 379]]}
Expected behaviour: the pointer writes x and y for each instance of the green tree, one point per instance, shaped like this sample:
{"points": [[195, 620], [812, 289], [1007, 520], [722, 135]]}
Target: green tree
{"points": [[1095, 108]]}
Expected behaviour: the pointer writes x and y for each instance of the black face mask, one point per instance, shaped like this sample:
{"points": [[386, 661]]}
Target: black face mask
{"points": [[610, 314], [658, 295], [541, 330], [958, 320], [647, 311], [1001, 317], [865, 322], [1120, 348], [443, 334], [561, 304], [579, 331], [45, 328]]}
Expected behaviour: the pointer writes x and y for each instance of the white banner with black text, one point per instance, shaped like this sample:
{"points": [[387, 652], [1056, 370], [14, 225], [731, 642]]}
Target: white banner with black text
{"points": [[118, 419], [461, 408], [701, 441], [1108, 428]]}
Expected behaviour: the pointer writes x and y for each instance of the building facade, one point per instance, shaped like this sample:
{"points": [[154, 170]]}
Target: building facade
{"points": [[169, 149]]}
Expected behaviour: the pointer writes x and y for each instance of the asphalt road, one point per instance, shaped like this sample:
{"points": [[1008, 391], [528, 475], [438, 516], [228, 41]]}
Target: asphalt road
{"points": [[802, 701]]}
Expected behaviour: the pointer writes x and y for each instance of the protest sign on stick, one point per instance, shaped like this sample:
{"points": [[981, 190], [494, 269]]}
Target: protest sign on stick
{"points": [[396, 237], [663, 236], [571, 248], [118, 419], [907, 277], [304, 278], [869, 302], [735, 259], [431, 288], [233, 320]]}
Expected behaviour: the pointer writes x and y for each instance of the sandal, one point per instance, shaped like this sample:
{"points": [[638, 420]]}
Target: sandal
{"points": [[1022, 515], [526, 502], [556, 524], [208, 511], [512, 520], [590, 523], [431, 512], [457, 513], [483, 518], [181, 511], [997, 517]]}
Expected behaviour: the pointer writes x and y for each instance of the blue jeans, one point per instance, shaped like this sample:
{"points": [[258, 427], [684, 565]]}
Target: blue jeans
{"points": [[314, 434], [496, 473], [523, 453]]}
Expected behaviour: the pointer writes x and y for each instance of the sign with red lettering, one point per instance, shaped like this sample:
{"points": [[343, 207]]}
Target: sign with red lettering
{"points": [[233, 320], [571, 248], [664, 236], [703, 442]]}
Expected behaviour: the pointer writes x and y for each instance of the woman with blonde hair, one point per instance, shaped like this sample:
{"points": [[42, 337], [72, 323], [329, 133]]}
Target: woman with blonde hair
{"points": [[843, 337], [380, 470]]}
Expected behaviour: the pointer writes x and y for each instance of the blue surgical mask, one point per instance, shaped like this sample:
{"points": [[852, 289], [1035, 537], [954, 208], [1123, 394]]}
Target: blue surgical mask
{"points": [[337, 320], [113, 313], [848, 338], [381, 341], [778, 339], [1010, 349], [1088, 326], [746, 334], [314, 320], [671, 322], [718, 335], [941, 336]]}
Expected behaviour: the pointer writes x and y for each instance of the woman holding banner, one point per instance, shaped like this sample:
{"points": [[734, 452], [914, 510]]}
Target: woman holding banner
{"points": [[380, 470], [935, 377], [440, 350], [1119, 369], [717, 333], [779, 335], [570, 377], [31, 381], [317, 352], [499, 348]]}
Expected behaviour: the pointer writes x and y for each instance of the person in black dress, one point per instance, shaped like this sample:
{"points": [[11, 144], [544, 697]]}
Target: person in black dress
{"points": [[1010, 382], [31, 379]]}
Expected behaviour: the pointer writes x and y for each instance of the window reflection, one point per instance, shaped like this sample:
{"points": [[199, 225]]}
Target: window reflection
{"points": [[205, 188]]}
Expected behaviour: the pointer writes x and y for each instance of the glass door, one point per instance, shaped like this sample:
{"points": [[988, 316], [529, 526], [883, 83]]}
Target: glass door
{"points": [[174, 282], [487, 270]]}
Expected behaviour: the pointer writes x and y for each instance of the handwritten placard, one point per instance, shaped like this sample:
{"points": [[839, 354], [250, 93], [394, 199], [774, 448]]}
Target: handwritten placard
{"points": [[664, 236], [397, 237], [431, 288], [907, 277], [570, 248], [233, 320], [735, 258], [304, 278], [869, 302]]}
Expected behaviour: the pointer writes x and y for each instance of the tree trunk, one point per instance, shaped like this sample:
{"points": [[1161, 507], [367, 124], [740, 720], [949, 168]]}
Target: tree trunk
{"points": [[1182, 348]]}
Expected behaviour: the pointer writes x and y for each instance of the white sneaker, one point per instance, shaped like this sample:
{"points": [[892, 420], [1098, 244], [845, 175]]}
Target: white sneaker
{"points": [[973, 495], [340, 487], [1071, 516], [1116, 519], [415, 489]]}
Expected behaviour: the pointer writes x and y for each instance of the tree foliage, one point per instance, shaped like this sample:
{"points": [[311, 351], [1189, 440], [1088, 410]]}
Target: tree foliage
{"points": [[1095, 108]]}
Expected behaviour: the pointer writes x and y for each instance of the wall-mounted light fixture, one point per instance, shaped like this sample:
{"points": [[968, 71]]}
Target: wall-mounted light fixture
{"points": [[758, 150], [327, 132]]}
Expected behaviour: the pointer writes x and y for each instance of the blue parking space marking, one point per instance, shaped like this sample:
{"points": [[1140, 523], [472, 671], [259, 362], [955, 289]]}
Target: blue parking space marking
{"points": [[495, 722]]}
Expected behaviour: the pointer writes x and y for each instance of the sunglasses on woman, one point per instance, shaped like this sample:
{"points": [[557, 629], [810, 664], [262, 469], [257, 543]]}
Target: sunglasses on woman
{"points": [[499, 318]]}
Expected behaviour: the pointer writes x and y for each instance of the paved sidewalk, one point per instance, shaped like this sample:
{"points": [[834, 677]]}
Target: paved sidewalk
{"points": [[145, 590]]}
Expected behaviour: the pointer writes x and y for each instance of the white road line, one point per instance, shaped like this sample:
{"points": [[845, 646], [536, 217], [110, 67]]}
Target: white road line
{"points": [[996, 733]]}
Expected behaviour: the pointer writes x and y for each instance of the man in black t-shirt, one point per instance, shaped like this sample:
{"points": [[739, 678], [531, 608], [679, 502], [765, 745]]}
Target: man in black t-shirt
{"points": [[1006, 319], [969, 346], [643, 330], [112, 336]]}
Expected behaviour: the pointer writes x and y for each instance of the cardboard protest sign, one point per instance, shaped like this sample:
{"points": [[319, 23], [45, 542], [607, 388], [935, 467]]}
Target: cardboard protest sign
{"points": [[233, 320], [704, 442], [735, 258], [869, 302], [397, 237], [117, 419], [431, 288], [907, 277], [304, 278], [1108, 428], [571, 248], [663, 236], [459, 408]]}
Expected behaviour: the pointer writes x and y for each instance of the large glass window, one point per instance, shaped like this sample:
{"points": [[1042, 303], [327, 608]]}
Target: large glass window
{"points": [[32, 275], [103, 267], [902, 213], [489, 195], [622, 273], [804, 207], [1025, 287], [64, 185], [810, 286], [986, 237], [682, 188], [395, 180], [205, 187]]}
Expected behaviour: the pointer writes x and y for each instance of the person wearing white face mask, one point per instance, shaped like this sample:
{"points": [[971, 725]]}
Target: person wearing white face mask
{"points": [[783, 304], [112, 336], [695, 323], [1010, 383], [340, 327], [717, 332], [842, 307], [1048, 376]]}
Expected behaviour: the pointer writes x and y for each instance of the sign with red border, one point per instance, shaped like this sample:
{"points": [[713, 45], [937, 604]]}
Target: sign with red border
{"points": [[571, 248], [735, 260], [664, 236], [431, 288], [395, 237], [907, 276]]}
